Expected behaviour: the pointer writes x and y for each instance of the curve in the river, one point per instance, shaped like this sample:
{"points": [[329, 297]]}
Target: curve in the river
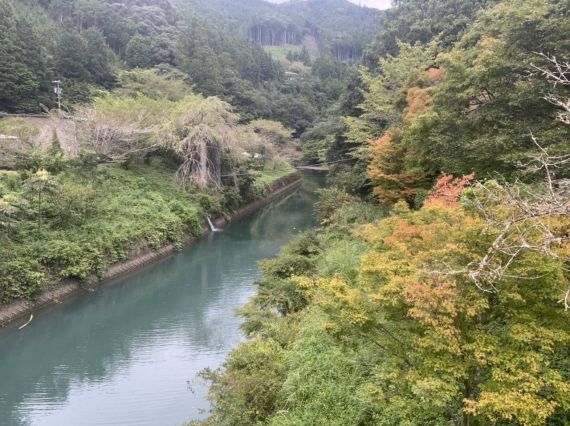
{"points": [[129, 353]]}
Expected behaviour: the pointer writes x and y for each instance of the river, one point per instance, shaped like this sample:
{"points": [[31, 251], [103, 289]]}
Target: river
{"points": [[130, 353]]}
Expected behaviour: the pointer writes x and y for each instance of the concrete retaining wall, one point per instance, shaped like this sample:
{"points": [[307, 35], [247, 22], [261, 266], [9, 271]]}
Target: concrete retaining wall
{"points": [[138, 258]]}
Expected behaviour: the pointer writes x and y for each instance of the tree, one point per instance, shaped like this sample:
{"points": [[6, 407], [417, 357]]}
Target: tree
{"points": [[391, 100], [100, 59], [24, 71], [487, 102], [71, 57], [422, 21], [8, 213], [204, 129], [122, 130], [385, 94], [450, 352], [138, 53], [39, 184]]}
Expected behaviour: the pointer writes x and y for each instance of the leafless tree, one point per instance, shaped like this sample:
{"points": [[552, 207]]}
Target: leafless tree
{"points": [[117, 139], [523, 214], [558, 73]]}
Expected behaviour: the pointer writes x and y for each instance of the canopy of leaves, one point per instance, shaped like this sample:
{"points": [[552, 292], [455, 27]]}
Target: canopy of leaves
{"points": [[390, 325]]}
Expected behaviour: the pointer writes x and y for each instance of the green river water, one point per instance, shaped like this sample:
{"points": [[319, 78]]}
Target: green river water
{"points": [[129, 353]]}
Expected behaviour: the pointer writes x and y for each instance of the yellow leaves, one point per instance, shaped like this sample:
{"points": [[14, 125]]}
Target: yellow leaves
{"points": [[475, 306], [433, 390], [336, 293], [521, 386], [331, 326], [372, 263], [488, 46], [336, 285], [42, 175], [8, 199], [526, 408], [560, 227], [546, 339], [305, 283]]}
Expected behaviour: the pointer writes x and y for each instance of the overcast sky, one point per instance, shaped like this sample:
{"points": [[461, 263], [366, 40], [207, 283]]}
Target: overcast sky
{"points": [[379, 4]]}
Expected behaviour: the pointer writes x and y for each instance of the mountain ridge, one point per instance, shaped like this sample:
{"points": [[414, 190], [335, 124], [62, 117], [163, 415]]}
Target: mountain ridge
{"points": [[341, 28]]}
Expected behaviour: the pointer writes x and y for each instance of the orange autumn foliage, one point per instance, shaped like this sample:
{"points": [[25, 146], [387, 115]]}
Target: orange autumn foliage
{"points": [[433, 302], [435, 75], [392, 178], [383, 150], [447, 190], [418, 100]]}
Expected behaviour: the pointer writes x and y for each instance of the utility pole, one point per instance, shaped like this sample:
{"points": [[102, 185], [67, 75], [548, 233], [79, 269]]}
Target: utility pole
{"points": [[58, 92]]}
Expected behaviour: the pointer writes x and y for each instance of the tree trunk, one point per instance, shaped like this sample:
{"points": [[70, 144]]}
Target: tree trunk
{"points": [[203, 171]]}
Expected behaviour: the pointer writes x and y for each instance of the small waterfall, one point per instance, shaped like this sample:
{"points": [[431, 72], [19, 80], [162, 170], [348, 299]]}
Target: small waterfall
{"points": [[212, 227]]}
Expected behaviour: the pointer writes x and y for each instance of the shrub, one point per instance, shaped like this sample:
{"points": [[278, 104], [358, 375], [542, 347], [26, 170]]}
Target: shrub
{"points": [[19, 278]]}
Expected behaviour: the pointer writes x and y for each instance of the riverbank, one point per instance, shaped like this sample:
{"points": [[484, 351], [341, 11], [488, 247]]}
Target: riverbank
{"points": [[131, 351], [137, 258], [314, 168]]}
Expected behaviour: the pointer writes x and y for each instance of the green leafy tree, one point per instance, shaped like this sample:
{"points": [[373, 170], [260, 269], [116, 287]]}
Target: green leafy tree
{"points": [[37, 186], [138, 53], [491, 101], [413, 21], [71, 57], [24, 71], [100, 59]]}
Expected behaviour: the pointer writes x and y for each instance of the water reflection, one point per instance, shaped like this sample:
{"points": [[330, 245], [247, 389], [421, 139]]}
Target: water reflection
{"points": [[124, 354]]}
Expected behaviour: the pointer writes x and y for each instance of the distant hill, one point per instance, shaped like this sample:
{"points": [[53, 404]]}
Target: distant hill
{"points": [[340, 28]]}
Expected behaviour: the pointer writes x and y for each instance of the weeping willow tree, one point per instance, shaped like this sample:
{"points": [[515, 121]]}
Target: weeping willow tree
{"points": [[202, 130], [201, 133], [195, 129]]}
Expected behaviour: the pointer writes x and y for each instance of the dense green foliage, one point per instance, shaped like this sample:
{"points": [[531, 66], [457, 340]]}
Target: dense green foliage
{"points": [[85, 44], [335, 27], [452, 309], [154, 160], [76, 222], [78, 219], [420, 21]]}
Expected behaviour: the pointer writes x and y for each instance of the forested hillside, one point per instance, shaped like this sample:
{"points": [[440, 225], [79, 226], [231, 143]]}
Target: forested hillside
{"points": [[171, 97], [208, 44], [337, 27], [436, 290]]}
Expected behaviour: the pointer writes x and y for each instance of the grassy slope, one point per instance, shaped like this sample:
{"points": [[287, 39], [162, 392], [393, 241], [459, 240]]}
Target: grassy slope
{"points": [[90, 219], [279, 53], [269, 175]]}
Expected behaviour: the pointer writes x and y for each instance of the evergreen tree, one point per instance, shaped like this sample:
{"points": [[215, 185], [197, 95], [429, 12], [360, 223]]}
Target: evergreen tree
{"points": [[24, 70]]}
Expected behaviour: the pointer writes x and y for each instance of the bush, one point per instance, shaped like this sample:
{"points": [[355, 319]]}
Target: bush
{"points": [[69, 259], [253, 375], [19, 279]]}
